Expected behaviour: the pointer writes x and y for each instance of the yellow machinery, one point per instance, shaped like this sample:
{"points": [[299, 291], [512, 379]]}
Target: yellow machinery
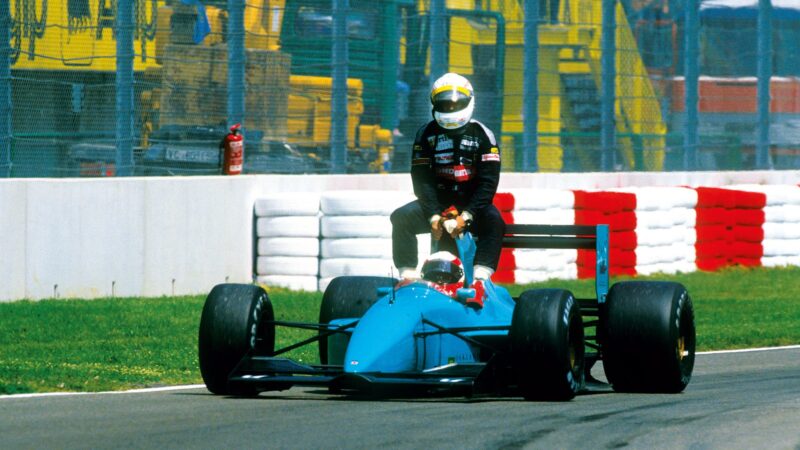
{"points": [[569, 50], [296, 109], [183, 83]]}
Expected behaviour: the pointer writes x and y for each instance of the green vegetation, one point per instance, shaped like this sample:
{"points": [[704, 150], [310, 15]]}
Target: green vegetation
{"points": [[124, 343]]}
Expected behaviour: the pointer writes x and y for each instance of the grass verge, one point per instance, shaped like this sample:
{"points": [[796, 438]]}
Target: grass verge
{"points": [[124, 343]]}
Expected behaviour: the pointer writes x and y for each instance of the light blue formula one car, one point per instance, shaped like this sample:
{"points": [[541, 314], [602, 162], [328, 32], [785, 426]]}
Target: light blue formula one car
{"points": [[379, 337]]}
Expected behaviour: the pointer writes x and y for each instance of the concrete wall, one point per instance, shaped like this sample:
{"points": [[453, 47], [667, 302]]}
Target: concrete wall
{"points": [[182, 235]]}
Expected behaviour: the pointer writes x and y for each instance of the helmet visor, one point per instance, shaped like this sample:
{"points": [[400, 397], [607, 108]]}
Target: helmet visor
{"points": [[441, 272], [450, 99]]}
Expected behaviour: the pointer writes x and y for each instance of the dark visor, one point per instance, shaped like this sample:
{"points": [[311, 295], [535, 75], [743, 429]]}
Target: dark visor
{"points": [[450, 101]]}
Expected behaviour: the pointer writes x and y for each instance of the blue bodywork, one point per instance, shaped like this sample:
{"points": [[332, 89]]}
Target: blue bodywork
{"points": [[399, 333], [416, 335]]}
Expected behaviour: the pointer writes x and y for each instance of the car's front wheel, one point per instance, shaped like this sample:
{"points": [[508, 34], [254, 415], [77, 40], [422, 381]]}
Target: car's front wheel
{"points": [[347, 297], [236, 320]]}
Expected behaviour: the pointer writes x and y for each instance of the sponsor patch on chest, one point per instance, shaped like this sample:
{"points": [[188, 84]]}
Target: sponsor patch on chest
{"points": [[443, 143], [468, 143], [444, 158], [459, 173]]}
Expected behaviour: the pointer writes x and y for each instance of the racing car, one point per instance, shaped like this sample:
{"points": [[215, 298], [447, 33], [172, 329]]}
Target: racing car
{"points": [[378, 335]]}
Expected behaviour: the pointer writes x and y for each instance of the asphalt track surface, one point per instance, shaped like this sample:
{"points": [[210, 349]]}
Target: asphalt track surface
{"points": [[735, 400]]}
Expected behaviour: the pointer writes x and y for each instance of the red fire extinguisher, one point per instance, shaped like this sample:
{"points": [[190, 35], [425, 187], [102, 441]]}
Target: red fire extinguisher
{"points": [[233, 151]]}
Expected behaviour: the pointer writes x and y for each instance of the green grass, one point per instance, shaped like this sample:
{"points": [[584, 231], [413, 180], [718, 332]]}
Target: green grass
{"points": [[123, 343]]}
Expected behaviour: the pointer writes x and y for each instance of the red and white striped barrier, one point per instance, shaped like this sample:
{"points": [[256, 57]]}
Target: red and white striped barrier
{"points": [[652, 230]]}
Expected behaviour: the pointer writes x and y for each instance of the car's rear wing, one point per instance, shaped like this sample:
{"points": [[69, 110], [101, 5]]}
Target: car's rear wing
{"points": [[589, 237]]}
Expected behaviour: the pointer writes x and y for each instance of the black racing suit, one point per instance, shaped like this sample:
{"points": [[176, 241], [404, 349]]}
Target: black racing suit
{"points": [[452, 167]]}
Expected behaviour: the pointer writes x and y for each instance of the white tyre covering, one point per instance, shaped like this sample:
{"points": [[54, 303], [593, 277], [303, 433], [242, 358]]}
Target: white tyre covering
{"points": [[646, 255], [363, 203], [288, 204], [553, 216], [293, 282], [356, 227], [666, 236], [288, 246], [287, 265], [668, 268], [776, 194], [782, 213], [288, 226], [357, 248], [336, 267], [542, 260], [542, 199], [665, 218], [781, 230], [569, 272], [662, 198], [781, 247], [777, 261]]}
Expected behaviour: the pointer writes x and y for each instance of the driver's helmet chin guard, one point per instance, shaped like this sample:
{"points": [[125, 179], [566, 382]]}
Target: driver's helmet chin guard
{"points": [[442, 268], [453, 101]]}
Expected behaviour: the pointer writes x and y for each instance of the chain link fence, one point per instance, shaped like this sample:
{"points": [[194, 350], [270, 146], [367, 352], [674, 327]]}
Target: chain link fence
{"points": [[151, 87]]}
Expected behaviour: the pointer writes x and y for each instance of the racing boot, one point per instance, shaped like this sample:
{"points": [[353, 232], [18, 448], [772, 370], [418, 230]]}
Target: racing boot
{"points": [[477, 301], [408, 275], [481, 274]]}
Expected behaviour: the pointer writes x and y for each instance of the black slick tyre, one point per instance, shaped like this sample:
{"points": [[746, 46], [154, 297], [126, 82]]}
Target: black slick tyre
{"points": [[236, 320], [547, 345], [647, 334], [348, 297]]}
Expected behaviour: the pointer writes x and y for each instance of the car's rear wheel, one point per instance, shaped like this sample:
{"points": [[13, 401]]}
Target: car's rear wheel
{"points": [[547, 345], [347, 297], [647, 334], [236, 320]]}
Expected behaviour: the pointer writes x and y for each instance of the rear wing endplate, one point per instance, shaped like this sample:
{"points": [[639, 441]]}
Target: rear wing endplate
{"points": [[589, 237]]}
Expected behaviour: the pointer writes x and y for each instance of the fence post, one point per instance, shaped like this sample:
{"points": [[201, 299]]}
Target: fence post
{"points": [[764, 74], [124, 88], [339, 55], [5, 89], [609, 76], [691, 139], [391, 62], [530, 88], [236, 63], [439, 60]]}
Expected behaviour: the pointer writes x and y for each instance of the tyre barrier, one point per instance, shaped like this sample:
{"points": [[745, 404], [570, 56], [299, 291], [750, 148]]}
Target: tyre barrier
{"points": [[287, 229], [355, 233], [543, 206], [652, 230], [729, 228], [781, 227], [618, 210]]}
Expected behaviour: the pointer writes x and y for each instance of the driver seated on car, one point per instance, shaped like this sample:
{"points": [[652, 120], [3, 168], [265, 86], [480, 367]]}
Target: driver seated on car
{"points": [[445, 273], [455, 169]]}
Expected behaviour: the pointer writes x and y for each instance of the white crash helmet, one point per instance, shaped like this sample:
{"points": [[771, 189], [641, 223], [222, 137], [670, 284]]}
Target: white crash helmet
{"points": [[453, 101], [442, 268]]}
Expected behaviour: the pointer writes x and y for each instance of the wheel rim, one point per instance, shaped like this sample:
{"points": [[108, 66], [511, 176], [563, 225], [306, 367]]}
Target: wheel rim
{"points": [[575, 346], [682, 348]]}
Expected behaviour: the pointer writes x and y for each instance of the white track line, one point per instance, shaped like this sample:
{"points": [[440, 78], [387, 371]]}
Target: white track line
{"points": [[132, 391], [198, 386], [746, 350]]}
